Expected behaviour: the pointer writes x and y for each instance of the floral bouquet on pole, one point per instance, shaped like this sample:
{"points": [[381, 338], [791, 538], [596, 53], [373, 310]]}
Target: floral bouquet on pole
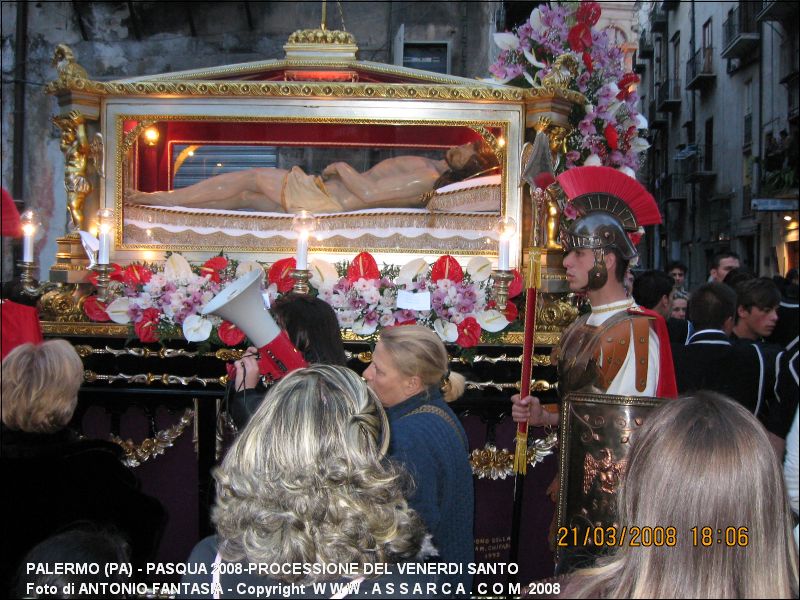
{"points": [[609, 130]]}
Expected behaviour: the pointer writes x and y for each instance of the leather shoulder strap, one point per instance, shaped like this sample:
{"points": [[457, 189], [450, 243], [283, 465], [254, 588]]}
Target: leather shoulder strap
{"points": [[435, 410]]}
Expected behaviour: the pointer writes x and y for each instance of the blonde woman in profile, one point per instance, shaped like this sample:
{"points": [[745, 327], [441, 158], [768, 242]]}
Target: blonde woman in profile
{"points": [[703, 467], [306, 484], [409, 373]]}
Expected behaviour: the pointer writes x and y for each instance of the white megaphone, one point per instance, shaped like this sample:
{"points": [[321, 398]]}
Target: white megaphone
{"points": [[240, 302]]}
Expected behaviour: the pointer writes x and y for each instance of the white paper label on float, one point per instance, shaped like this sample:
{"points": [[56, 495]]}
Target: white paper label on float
{"points": [[414, 300]]}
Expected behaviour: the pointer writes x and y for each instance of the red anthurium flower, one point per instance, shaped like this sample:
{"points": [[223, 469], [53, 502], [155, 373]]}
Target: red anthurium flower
{"points": [[636, 237], [511, 312], [447, 267], [515, 287], [580, 37], [587, 62], [95, 309], [363, 267], [588, 13], [213, 266], [229, 334], [146, 327], [469, 333], [612, 137], [280, 273], [136, 275], [626, 85]]}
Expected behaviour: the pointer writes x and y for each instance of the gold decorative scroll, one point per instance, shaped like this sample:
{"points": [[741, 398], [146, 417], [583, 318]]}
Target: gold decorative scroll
{"points": [[489, 462], [151, 378], [136, 454]]}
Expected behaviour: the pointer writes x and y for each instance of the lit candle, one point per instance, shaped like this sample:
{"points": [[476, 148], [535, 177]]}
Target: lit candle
{"points": [[506, 227], [28, 234], [105, 244], [105, 223], [302, 250]]}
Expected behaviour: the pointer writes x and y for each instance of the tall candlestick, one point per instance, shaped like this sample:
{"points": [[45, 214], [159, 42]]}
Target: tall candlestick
{"points": [[28, 232], [505, 227], [302, 250]]}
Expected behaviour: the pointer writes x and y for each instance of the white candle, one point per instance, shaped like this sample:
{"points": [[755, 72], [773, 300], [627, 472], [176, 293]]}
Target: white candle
{"points": [[502, 253], [105, 244], [28, 232], [302, 251]]}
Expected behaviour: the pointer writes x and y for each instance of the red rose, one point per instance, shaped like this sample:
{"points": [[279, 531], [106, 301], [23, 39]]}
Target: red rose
{"points": [[229, 334], [588, 13], [515, 287], [511, 312], [580, 37], [363, 267], [280, 273], [447, 267], [146, 327], [212, 267], [469, 333], [587, 62], [612, 137], [136, 275], [95, 309]]}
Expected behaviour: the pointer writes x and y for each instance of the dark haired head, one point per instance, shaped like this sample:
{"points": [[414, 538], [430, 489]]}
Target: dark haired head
{"points": [[719, 256], [759, 292], [483, 162], [650, 287], [676, 264], [312, 327], [737, 276], [791, 276], [711, 305]]}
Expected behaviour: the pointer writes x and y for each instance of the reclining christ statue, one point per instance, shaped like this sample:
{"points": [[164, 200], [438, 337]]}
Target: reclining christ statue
{"points": [[399, 182]]}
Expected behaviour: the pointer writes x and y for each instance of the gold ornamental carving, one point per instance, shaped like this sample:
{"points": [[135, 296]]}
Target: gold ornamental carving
{"points": [[76, 148], [136, 454], [490, 463], [71, 76], [60, 305], [321, 36], [165, 379]]}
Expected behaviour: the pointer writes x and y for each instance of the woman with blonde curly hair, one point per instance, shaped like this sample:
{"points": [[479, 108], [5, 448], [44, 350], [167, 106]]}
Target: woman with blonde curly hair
{"points": [[305, 485], [703, 472]]}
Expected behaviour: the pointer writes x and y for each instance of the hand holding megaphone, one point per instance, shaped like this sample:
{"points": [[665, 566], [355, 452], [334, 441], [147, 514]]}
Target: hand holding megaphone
{"points": [[240, 302]]}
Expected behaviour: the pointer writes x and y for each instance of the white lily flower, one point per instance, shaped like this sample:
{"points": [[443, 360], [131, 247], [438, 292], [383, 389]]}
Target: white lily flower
{"points": [[641, 122], [628, 171], [323, 273], [639, 145], [492, 320], [528, 78], [118, 311], [246, 266], [531, 57], [196, 328], [589, 108], [177, 267], [362, 328], [446, 331], [536, 20], [479, 268], [592, 161], [506, 40], [410, 270]]}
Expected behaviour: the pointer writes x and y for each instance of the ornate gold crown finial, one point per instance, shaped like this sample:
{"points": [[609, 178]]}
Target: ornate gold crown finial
{"points": [[321, 36]]}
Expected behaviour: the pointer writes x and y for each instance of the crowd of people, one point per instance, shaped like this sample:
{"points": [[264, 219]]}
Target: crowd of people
{"points": [[371, 473]]}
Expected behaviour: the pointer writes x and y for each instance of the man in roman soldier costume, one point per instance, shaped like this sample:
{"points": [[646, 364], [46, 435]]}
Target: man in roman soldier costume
{"points": [[618, 347]]}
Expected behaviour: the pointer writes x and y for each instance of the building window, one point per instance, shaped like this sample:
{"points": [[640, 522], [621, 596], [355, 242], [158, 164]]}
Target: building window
{"points": [[748, 113], [708, 148]]}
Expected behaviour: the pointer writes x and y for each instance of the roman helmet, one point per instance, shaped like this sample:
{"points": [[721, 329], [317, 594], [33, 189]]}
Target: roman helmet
{"points": [[610, 209]]}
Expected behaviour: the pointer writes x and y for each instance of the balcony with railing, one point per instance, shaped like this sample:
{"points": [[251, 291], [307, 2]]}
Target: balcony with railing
{"points": [[658, 20], [779, 11], [655, 119], [740, 31], [646, 45], [674, 188], [700, 70], [697, 163], [668, 95]]}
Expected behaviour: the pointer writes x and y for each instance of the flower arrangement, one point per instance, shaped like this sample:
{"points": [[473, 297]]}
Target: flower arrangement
{"points": [[609, 129], [164, 303]]}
